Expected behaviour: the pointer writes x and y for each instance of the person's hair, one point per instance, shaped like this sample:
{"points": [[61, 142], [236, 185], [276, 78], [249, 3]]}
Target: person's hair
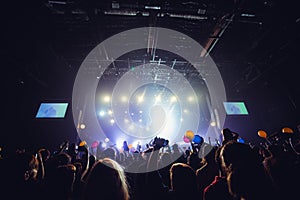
{"points": [[107, 180], [234, 153], [183, 178], [245, 174], [25, 165], [218, 159], [110, 153]]}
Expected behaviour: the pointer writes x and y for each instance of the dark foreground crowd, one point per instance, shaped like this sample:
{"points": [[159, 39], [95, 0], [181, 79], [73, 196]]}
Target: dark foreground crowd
{"points": [[228, 171]]}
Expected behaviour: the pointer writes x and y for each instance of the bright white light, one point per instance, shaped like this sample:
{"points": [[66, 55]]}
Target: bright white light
{"points": [[140, 99], [110, 112], [185, 111], [106, 139], [141, 111], [126, 121], [103, 145], [106, 99], [173, 99], [140, 120], [82, 126], [181, 119], [213, 123], [119, 144], [112, 121], [135, 143], [157, 99], [152, 7], [101, 113]]}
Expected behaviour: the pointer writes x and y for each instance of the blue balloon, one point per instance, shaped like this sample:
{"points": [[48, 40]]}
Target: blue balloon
{"points": [[241, 140], [197, 139]]}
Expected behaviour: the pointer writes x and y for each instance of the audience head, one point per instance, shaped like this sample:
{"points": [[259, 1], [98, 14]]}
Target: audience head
{"points": [[60, 182], [248, 171], [245, 173], [234, 154], [183, 178], [110, 153], [92, 159], [208, 153], [25, 166], [228, 135], [194, 161], [106, 180], [175, 148]]}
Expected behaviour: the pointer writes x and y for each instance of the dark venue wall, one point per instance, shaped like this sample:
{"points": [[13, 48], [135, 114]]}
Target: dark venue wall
{"points": [[253, 43]]}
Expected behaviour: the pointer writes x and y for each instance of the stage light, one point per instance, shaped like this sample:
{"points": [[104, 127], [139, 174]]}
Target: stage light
{"points": [[103, 145], [106, 139], [106, 99], [136, 90], [135, 143], [173, 99], [152, 7], [140, 99], [158, 99], [82, 126], [119, 144], [110, 112], [213, 123], [101, 113]]}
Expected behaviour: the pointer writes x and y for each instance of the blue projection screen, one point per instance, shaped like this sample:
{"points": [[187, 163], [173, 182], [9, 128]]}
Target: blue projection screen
{"points": [[235, 108], [52, 110]]}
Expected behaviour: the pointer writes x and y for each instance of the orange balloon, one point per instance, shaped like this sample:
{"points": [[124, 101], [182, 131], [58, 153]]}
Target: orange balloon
{"points": [[82, 143], [189, 134], [287, 130], [262, 134]]}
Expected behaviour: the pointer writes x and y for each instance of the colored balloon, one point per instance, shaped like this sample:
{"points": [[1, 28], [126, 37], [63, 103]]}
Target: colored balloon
{"points": [[197, 139], [241, 140], [262, 133], [190, 135], [82, 143], [95, 144], [287, 130], [185, 139]]}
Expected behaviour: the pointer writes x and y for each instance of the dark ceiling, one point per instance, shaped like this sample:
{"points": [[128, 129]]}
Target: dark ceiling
{"points": [[253, 43]]}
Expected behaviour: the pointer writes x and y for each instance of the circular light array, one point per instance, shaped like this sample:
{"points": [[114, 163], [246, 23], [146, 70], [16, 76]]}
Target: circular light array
{"points": [[128, 87]]}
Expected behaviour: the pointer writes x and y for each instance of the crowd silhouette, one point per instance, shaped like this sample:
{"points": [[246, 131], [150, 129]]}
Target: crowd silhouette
{"points": [[229, 170]]}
